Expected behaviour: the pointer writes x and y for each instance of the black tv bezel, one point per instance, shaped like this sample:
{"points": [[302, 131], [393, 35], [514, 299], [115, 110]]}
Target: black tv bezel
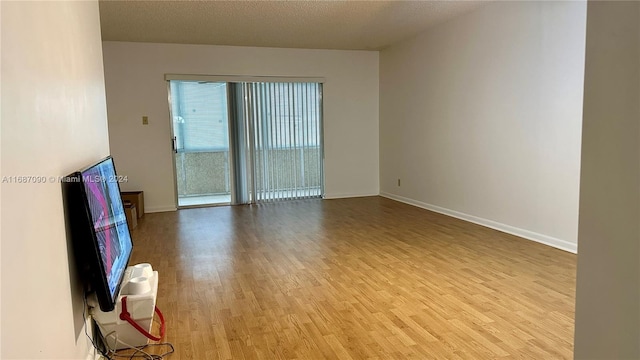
{"points": [[87, 253]]}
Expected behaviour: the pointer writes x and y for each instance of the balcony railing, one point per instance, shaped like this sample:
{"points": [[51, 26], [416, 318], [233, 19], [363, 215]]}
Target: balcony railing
{"points": [[282, 171]]}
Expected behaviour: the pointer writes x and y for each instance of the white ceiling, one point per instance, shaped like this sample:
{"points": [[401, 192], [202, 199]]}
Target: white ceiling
{"points": [[355, 25]]}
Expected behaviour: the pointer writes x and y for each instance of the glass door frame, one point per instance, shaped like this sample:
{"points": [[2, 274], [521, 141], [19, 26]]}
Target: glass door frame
{"points": [[232, 163], [174, 149]]}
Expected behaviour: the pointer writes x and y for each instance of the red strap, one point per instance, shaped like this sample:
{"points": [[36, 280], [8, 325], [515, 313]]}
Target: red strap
{"points": [[124, 315]]}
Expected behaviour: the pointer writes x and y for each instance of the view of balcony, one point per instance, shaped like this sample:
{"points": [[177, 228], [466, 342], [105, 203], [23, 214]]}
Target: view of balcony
{"points": [[203, 177]]}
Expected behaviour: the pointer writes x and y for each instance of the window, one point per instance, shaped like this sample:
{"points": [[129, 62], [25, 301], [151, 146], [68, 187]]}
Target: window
{"points": [[200, 119]]}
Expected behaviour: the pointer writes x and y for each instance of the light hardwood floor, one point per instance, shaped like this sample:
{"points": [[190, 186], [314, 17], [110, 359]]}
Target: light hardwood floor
{"points": [[362, 278]]}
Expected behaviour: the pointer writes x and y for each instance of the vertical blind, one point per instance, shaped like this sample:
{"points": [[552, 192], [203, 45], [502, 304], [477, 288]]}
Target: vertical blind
{"points": [[284, 122], [272, 129]]}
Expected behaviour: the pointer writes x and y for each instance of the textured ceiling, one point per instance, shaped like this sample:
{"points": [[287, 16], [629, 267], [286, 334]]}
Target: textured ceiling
{"points": [[357, 25]]}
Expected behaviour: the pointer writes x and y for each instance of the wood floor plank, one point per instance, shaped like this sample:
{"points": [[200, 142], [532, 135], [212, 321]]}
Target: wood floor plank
{"points": [[361, 278]]}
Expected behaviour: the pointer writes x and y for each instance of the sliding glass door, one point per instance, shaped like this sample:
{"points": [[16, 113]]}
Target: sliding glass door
{"points": [[247, 142], [201, 142]]}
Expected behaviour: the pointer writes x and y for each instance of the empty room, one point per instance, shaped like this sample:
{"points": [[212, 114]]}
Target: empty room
{"points": [[320, 179]]}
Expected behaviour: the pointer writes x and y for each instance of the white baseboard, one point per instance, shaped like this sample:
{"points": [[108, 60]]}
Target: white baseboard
{"points": [[93, 355], [346, 196], [159, 209], [529, 235]]}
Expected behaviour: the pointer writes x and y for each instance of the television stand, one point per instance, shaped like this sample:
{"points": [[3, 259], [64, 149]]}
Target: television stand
{"points": [[140, 288]]}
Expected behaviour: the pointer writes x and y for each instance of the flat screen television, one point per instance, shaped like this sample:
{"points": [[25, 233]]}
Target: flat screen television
{"points": [[98, 228]]}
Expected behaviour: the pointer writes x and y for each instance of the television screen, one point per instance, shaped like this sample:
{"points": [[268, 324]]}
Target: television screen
{"points": [[109, 220], [98, 226]]}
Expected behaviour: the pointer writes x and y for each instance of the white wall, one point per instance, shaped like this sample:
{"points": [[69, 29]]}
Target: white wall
{"points": [[53, 122], [608, 284], [480, 118], [134, 75]]}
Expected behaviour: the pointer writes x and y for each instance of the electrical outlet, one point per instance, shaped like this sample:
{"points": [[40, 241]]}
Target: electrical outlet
{"points": [[145, 120], [398, 182]]}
